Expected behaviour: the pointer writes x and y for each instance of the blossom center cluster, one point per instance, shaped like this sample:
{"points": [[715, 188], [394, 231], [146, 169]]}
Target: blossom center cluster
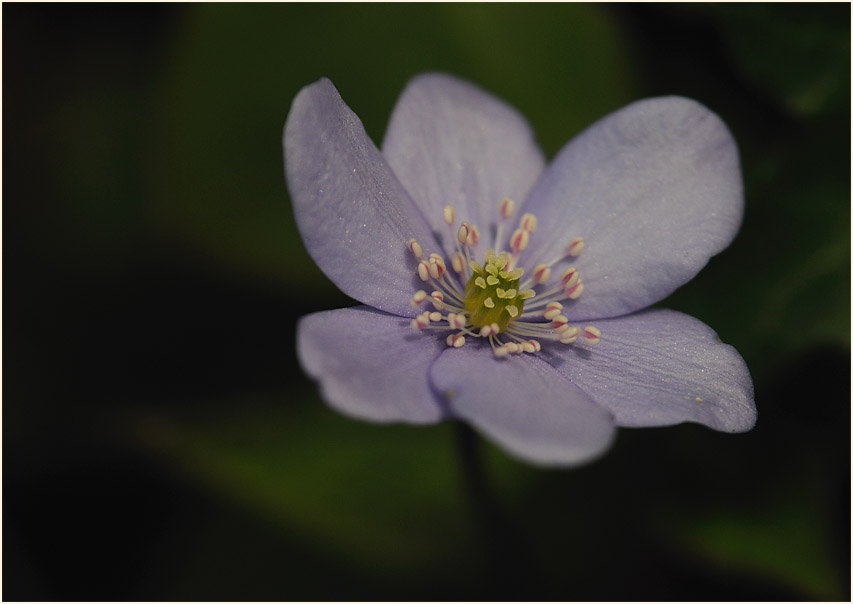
{"points": [[498, 302], [492, 294]]}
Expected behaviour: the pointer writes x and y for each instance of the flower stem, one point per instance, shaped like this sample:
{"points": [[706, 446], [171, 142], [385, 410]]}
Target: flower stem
{"points": [[508, 566]]}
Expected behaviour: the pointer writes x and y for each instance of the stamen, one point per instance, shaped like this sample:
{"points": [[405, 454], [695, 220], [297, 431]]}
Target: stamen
{"points": [[458, 263], [528, 223], [449, 215], [437, 300], [570, 277], [591, 335], [456, 340], [462, 234], [541, 274], [473, 236], [416, 249], [570, 335], [518, 241], [457, 321], [552, 310], [575, 247], [507, 207], [574, 292], [423, 270], [419, 297]]}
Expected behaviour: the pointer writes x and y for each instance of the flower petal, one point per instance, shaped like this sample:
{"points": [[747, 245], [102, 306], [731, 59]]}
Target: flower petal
{"points": [[661, 367], [450, 142], [654, 189], [524, 405], [370, 364], [353, 214]]}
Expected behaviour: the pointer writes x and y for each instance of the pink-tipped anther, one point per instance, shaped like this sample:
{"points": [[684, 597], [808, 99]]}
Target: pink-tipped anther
{"points": [[418, 298], [528, 223], [552, 310], [507, 207], [519, 241], [541, 274], [575, 247], [456, 340], [570, 277], [591, 335], [473, 236], [416, 249], [574, 292]]}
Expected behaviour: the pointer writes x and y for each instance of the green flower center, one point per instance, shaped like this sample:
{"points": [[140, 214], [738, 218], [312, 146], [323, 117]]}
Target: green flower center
{"points": [[492, 294]]}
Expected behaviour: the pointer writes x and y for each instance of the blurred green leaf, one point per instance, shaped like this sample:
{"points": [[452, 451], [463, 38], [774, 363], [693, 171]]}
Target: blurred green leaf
{"points": [[787, 540], [798, 53], [373, 494]]}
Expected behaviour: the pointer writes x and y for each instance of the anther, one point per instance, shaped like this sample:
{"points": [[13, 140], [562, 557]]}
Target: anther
{"points": [[449, 215], [570, 335], [456, 321], [436, 266], [435, 317], [419, 297], [570, 277], [541, 274], [574, 292], [423, 270], [591, 335], [507, 207], [575, 247], [462, 233], [458, 262], [473, 236], [528, 223], [528, 346], [552, 310], [518, 241], [421, 321], [455, 340], [416, 249], [437, 300]]}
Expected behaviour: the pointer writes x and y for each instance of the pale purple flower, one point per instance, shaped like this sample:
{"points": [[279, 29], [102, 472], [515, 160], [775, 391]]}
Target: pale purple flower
{"points": [[545, 363]]}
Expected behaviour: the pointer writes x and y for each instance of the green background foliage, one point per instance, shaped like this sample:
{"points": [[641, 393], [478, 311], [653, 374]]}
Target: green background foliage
{"points": [[160, 440]]}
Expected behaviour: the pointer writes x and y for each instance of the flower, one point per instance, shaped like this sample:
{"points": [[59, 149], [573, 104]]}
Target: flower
{"points": [[531, 329]]}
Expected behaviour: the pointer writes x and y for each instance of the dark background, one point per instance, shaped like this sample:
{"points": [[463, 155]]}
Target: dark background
{"points": [[159, 438]]}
